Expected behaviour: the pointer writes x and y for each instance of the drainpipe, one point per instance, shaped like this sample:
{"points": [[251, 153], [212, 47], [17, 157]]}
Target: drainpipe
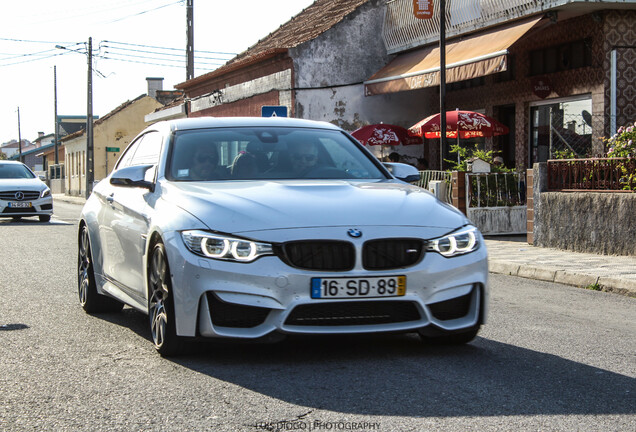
{"points": [[613, 127]]}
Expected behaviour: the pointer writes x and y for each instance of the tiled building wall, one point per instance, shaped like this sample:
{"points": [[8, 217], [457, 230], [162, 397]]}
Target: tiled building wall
{"points": [[518, 91], [620, 32]]}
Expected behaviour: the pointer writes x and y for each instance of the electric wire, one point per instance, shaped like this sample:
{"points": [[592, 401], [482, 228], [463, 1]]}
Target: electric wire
{"points": [[164, 48], [150, 63], [146, 11], [32, 60], [181, 54], [152, 58]]}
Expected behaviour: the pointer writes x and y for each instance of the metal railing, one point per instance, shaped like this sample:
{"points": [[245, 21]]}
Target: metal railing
{"points": [[594, 174], [428, 176], [403, 31], [495, 189]]}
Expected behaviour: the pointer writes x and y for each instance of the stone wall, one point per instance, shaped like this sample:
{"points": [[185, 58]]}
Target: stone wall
{"points": [[595, 222]]}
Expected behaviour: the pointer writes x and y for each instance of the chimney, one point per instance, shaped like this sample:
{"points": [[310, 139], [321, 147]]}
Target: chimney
{"points": [[40, 134], [154, 84]]}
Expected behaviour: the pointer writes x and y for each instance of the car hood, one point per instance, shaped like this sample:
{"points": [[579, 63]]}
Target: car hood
{"points": [[242, 206], [22, 184]]}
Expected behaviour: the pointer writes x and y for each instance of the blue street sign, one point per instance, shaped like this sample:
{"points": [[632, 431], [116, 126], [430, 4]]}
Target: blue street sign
{"points": [[273, 111]]}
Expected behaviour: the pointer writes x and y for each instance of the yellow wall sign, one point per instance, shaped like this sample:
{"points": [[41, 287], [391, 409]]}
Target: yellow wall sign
{"points": [[423, 9]]}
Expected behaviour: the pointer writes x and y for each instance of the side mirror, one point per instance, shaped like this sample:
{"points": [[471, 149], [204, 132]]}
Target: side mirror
{"points": [[406, 173], [133, 176]]}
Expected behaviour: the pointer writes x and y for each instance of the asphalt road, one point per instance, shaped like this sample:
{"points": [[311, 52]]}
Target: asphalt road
{"points": [[551, 357]]}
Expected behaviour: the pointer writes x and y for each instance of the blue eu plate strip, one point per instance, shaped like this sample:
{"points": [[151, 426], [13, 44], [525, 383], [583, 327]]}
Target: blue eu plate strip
{"points": [[315, 288]]}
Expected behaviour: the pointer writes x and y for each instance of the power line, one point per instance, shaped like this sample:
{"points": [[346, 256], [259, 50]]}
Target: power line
{"points": [[145, 12], [164, 48], [150, 63], [32, 60], [151, 58], [35, 41], [180, 55]]}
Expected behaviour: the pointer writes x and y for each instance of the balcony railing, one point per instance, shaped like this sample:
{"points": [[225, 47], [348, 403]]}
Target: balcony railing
{"points": [[597, 174], [402, 31]]}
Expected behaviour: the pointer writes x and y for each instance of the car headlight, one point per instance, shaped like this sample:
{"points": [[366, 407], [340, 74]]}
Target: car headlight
{"points": [[46, 192], [458, 243], [224, 248]]}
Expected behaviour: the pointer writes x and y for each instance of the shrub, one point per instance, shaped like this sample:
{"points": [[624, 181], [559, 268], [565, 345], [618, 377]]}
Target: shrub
{"points": [[623, 145]]}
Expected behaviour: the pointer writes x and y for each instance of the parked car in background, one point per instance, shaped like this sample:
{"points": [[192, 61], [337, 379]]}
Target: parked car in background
{"points": [[22, 193], [249, 227]]}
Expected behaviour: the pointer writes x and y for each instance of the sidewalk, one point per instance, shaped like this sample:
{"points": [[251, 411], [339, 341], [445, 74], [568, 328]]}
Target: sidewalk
{"points": [[69, 199], [512, 255]]}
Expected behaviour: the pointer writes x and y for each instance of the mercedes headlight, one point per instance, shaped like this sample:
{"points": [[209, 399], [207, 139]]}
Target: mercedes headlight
{"points": [[46, 192], [458, 243], [222, 247]]}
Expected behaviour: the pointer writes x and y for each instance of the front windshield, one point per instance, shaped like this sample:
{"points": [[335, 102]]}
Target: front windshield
{"points": [[265, 153], [15, 171]]}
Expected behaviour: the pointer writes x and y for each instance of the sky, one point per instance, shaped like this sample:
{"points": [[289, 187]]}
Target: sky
{"points": [[127, 35]]}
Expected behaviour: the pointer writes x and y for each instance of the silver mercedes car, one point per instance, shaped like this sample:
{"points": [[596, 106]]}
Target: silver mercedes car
{"points": [[253, 228], [22, 193]]}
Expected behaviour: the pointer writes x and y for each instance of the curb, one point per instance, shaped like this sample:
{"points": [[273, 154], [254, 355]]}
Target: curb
{"points": [[551, 274]]}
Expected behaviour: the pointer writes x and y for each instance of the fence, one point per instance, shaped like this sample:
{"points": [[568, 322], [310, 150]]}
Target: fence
{"points": [[596, 174], [496, 189], [569, 134], [427, 176]]}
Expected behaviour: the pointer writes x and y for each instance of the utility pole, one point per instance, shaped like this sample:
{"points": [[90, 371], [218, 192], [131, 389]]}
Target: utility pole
{"points": [[55, 137], [442, 82], [19, 137], [90, 175], [190, 40]]}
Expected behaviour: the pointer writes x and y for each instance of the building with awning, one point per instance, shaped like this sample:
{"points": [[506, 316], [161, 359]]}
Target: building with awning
{"points": [[468, 57], [559, 74]]}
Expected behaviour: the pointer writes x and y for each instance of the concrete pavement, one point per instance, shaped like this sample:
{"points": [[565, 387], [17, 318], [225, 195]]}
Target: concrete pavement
{"points": [[512, 255]]}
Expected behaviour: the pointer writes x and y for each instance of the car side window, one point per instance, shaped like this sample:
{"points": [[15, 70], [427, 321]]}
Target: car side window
{"points": [[124, 160], [147, 151]]}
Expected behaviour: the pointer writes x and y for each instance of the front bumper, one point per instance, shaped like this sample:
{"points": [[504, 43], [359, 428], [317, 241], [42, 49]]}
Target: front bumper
{"points": [[38, 207], [226, 299]]}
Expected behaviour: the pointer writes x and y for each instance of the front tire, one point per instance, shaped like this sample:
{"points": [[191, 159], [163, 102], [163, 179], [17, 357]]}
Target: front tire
{"points": [[161, 304], [45, 218], [90, 300]]}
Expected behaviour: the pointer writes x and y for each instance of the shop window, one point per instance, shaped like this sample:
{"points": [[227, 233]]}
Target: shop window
{"points": [[562, 57], [561, 129]]}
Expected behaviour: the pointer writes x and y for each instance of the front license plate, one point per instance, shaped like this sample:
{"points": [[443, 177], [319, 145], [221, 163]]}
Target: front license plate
{"points": [[20, 204], [382, 286]]}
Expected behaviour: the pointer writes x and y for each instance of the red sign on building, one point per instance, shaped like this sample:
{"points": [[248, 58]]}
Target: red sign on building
{"points": [[423, 9]]}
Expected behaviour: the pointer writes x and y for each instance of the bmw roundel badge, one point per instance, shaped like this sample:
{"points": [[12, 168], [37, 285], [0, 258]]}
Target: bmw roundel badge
{"points": [[355, 233]]}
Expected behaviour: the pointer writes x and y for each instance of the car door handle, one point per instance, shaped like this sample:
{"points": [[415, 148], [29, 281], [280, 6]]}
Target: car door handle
{"points": [[110, 198]]}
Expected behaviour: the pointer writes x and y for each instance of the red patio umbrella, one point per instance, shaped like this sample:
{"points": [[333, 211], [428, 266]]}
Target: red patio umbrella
{"points": [[385, 134], [469, 124]]}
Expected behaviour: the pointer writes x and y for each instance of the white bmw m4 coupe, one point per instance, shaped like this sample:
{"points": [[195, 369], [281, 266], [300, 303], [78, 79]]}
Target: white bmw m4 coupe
{"points": [[251, 228]]}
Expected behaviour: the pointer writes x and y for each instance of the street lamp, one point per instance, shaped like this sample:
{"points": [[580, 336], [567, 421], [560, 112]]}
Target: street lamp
{"points": [[90, 163]]}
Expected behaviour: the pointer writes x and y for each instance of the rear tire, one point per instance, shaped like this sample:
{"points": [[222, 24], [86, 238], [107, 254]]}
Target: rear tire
{"points": [[161, 304], [90, 300]]}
